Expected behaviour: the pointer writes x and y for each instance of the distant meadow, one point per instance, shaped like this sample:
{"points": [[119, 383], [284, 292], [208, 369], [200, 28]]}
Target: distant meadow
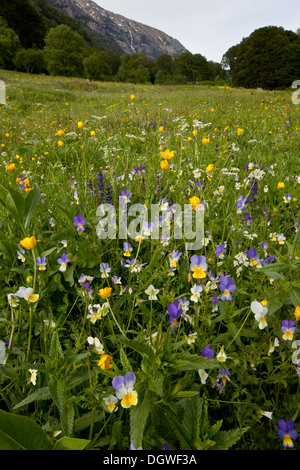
{"points": [[149, 266]]}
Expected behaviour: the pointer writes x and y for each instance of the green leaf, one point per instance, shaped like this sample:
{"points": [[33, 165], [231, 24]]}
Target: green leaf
{"points": [[71, 443], [40, 394], [31, 201], [138, 416], [226, 439], [184, 361], [21, 433]]}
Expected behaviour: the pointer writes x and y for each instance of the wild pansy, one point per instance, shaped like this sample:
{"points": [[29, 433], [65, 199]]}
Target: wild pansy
{"points": [[95, 313], [95, 345], [198, 266], [84, 281], [254, 258], [287, 432], [41, 263], [223, 375], [63, 261], [110, 403], [124, 389], [21, 256], [226, 286], [174, 313], [203, 375], [174, 258], [207, 352], [27, 294], [127, 249], [196, 291], [220, 250], [79, 222], [260, 312], [288, 328], [183, 304], [151, 292], [105, 270], [240, 204]]}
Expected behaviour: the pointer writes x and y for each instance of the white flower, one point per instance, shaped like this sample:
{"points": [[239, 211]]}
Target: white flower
{"points": [[273, 346], [221, 356], [27, 294], [196, 290], [267, 414], [203, 375], [33, 373], [191, 338], [12, 300], [281, 238], [95, 344], [259, 312], [151, 292], [111, 402]]}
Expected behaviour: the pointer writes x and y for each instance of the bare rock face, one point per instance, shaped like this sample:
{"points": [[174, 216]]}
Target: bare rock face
{"points": [[131, 36]]}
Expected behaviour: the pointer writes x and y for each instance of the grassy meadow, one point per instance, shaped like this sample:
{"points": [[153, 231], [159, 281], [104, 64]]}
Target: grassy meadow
{"points": [[113, 344]]}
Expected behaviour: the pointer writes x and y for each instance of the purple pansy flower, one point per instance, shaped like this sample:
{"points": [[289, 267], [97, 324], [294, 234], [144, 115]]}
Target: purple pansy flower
{"points": [[226, 286], [207, 352], [174, 312], [79, 222], [287, 432], [63, 261]]}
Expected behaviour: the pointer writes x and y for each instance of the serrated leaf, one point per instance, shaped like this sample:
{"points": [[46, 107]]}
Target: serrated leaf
{"points": [[226, 439], [139, 415], [40, 394]]}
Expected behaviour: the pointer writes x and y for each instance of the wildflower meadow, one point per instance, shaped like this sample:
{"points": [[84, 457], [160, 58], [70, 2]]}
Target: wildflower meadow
{"points": [[149, 254]]}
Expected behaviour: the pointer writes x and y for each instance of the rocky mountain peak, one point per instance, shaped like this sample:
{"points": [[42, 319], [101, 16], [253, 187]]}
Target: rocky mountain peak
{"points": [[131, 36]]}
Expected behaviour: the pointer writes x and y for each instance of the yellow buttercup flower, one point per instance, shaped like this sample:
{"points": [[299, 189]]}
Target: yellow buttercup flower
{"points": [[205, 140], [132, 97], [80, 124], [105, 293], [240, 131], [10, 167], [297, 312], [104, 362], [60, 133], [210, 168], [28, 242], [161, 128], [93, 133], [60, 143], [165, 165], [280, 185], [264, 303], [167, 155], [195, 132], [194, 201]]}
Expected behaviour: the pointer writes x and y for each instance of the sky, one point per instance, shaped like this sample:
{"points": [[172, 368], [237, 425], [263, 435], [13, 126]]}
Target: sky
{"points": [[208, 27]]}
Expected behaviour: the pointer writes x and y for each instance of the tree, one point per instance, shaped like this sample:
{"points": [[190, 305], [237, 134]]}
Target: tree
{"points": [[64, 51], [9, 45], [264, 59], [30, 60], [101, 65]]}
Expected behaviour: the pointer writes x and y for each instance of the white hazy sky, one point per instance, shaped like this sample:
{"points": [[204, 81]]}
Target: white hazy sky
{"points": [[208, 27]]}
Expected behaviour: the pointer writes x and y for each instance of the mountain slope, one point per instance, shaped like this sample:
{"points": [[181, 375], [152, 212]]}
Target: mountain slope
{"points": [[131, 36]]}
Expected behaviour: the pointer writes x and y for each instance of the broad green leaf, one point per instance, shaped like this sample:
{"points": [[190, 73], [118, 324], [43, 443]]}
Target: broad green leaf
{"points": [[21, 433], [71, 443]]}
